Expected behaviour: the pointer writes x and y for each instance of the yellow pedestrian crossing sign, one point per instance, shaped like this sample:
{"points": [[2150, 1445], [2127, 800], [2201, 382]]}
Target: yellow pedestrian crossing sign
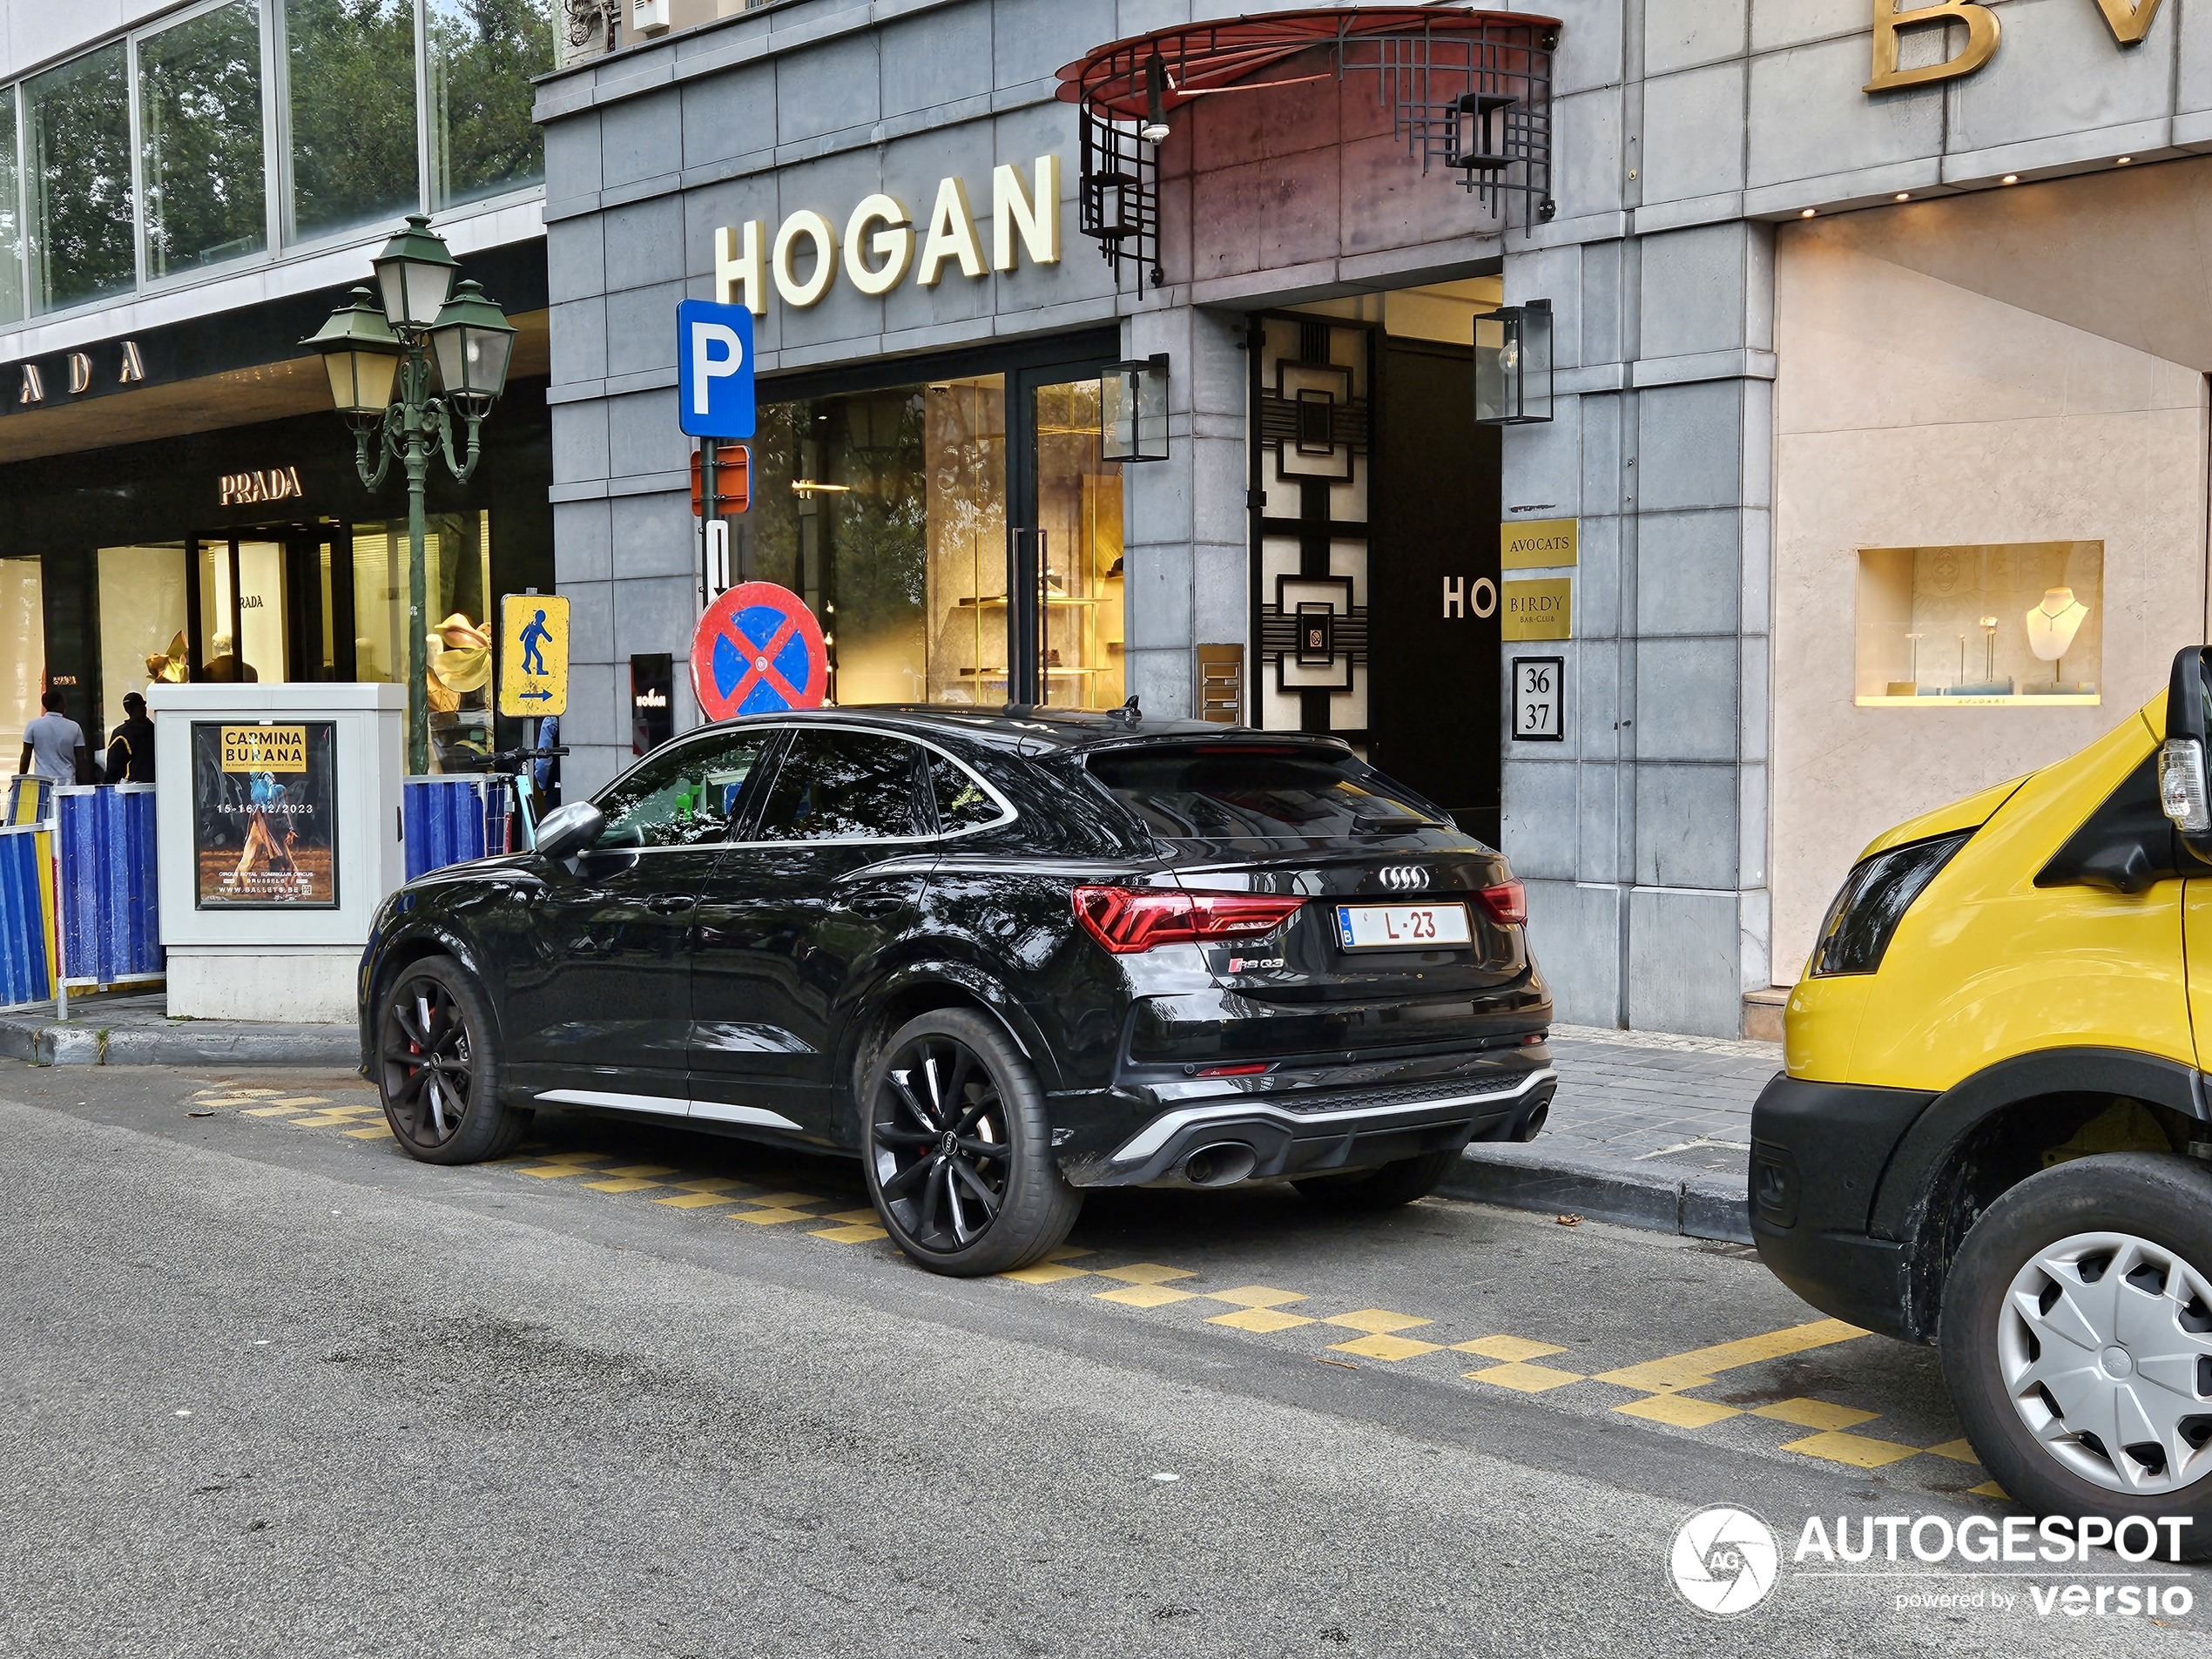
{"points": [[533, 654]]}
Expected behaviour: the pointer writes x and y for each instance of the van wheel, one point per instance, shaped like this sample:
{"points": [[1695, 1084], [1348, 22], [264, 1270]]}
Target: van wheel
{"points": [[1382, 1189], [957, 1148], [438, 1068], [2076, 1335]]}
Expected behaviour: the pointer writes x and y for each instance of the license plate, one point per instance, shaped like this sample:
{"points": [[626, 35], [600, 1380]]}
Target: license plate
{"points": [[1401, 926]]}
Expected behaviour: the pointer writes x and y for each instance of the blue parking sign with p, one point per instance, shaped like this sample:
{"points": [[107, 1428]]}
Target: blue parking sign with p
{"points": [[714, 369]]}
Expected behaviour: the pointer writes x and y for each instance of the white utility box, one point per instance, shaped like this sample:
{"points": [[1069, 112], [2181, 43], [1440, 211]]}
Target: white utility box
{"points": [[278, 825]]}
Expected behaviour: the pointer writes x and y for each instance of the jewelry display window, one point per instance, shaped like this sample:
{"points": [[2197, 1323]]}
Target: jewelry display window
{"points": [[2016, 624]]}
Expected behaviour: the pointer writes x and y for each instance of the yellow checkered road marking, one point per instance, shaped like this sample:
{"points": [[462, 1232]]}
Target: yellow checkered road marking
{"points": [[1260, 1319], [1697, 1367], [1508, 1348], [1663, 1384], [1147, 1273], [1819, 1414], [1146, 1296], [1524, 1378], [1378, 1321], [1860, 1451]]}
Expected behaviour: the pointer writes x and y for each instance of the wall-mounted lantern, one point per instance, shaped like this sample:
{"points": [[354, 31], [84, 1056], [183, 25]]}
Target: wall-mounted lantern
{"points": [[1116, 204], [1512, 365], [1133, 410]]}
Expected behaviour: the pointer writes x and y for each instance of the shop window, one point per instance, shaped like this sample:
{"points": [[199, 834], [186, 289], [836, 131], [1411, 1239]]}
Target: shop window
{"points": [[483, 54], [886, 511], [143, 620], [10, 215], [241, 612], [1079, 507], [76, 162], [966, 500], [2018, 625], [23, 647], [350, 78], [456, 590], [199, 140]]}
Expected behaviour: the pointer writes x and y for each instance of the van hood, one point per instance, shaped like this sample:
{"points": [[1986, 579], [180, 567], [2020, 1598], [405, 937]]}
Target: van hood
{"points": [[1968, 814]]}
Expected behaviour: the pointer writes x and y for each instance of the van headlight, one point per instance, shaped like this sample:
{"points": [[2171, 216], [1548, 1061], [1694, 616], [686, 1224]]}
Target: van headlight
{"points": [[1875, 897]]}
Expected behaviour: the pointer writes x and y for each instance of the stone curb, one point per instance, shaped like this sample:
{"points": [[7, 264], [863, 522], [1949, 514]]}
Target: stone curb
{"points": [[86, 1042], [1535, 1177]]}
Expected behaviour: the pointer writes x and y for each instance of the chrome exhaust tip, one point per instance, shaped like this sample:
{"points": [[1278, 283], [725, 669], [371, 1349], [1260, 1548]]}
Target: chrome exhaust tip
{"points": [[1223, 1165]]}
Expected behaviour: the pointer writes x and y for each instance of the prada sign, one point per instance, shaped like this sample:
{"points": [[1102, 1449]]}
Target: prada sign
{"points": [[276, 483], [2129, 24], [43, 382]]}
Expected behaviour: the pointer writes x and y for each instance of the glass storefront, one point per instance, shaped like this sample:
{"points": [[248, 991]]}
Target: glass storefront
{"points": [[336, 78], [23, 630], [887, 510], [122, 568]]}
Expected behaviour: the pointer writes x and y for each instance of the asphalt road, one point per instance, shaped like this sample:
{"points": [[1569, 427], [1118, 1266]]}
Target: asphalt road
{"points": [[273, 1388]]}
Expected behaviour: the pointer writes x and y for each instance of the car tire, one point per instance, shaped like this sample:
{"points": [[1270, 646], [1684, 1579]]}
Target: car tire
{"points": [[2023, 1289], [446, 1110], [1386, 1187], [953, 1124]]}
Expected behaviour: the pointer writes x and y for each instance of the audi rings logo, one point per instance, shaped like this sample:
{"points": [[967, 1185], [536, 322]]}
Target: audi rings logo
{"points": [[1723, 1561], [1404, 877]]}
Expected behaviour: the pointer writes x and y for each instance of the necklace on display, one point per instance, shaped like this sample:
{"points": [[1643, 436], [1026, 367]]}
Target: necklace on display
{"points": [[2053, 624]]}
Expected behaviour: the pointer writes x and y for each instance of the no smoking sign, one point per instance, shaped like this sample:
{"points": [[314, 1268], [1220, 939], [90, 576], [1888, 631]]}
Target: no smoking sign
{"points": [[758, 651]]}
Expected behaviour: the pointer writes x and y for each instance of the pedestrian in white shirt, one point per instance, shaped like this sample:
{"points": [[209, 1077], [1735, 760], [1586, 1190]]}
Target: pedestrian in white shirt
{"points": [[53, 745]]}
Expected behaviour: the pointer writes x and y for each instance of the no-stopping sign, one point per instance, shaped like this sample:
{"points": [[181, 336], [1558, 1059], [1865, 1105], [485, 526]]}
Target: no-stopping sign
{"points": [[758, 651]]}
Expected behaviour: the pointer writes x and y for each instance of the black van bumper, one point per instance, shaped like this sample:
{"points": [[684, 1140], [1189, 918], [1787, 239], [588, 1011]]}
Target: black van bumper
{"points": [[1818, 1154]]}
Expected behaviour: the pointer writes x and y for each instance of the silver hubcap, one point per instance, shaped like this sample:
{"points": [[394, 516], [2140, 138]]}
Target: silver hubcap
{"points": [[2105, 1343]]}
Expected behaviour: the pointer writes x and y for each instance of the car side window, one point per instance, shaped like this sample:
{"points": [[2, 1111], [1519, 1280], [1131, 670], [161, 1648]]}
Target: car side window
{"points": [[962, 803], [684, 796], [845, 786]]}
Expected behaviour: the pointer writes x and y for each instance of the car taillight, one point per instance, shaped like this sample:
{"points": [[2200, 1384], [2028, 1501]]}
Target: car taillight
{"points": [[1130, 920], [1507, 904]]}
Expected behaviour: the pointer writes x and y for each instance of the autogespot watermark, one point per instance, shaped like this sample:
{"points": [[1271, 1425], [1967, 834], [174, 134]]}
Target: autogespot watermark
{"points": [[1725, 1561]]}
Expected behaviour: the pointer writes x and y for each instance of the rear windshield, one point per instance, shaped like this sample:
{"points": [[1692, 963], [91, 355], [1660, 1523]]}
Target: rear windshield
{"points": [[1221, 791]]}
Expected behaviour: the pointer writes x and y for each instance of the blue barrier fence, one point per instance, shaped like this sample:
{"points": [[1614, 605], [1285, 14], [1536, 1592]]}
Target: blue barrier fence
{"points": [[26, 914], [31, 799], [453, 819], [109, 908]]}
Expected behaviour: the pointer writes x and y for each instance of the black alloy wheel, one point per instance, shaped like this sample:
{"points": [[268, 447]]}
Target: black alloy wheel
{"points": [[958, 1148], [437, 1069]]}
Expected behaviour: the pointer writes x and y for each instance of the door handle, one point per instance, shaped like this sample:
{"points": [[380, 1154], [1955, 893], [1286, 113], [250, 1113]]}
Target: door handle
{"points": [[668, 906], [876, 908]]}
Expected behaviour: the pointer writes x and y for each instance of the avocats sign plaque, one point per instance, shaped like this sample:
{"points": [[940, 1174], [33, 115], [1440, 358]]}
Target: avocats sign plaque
{"points": [[265, 816]]}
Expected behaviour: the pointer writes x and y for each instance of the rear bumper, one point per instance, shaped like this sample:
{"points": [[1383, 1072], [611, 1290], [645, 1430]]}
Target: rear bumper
{"points": [[1314, 1132], [1817, 1153]]}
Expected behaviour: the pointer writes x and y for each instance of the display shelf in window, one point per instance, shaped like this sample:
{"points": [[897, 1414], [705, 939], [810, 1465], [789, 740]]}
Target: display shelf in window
{"points": [[2017, 625]]}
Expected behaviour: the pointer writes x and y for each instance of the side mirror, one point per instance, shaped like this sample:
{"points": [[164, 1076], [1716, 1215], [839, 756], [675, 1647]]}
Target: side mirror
{"points": [[2183, 793], [566, 831]]}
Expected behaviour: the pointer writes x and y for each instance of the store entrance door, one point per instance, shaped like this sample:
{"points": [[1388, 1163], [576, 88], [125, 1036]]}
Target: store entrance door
{"points": [[1434, 704]]}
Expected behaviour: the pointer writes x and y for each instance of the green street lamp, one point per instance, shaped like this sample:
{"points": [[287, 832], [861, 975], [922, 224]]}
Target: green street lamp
{"points": [[382, 362]]}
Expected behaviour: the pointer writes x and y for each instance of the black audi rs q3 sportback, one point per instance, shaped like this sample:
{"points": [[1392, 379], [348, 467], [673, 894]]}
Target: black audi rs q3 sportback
{"points": [[1001, 956]]}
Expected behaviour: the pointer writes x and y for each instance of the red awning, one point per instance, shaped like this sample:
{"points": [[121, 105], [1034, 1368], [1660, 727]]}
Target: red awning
{"points": [[1211, 57]]}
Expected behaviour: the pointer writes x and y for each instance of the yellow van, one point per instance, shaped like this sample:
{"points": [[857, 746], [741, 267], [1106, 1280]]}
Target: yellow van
{"points": [[1992, 1134]]}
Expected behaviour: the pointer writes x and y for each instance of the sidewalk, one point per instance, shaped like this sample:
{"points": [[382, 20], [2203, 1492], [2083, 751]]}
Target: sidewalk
{"points": [[1649, 1131], [133, 1028]]}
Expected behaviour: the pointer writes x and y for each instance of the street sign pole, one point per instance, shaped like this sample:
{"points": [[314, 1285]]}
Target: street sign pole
{"points": [[715, 403], [710, 506]]}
